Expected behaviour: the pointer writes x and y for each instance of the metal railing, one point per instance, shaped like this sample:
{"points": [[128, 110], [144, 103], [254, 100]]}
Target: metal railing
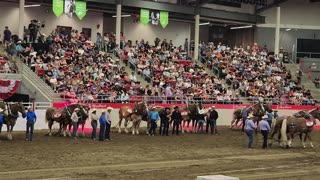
{"points": [[307, 54], [188, 99]]}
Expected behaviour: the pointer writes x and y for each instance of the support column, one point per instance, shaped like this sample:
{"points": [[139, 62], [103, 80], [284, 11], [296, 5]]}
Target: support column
{"points": [[277, 34], [21, 19], [118, 24], [196, 38]]}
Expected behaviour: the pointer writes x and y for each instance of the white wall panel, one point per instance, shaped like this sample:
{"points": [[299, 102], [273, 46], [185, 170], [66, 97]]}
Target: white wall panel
{"points": [[175, 31]]}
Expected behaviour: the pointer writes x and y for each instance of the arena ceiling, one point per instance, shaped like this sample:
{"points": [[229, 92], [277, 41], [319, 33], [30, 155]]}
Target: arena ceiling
{"points": [[183, 10]]}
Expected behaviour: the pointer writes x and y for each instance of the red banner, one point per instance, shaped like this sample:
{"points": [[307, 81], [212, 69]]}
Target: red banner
{"points": [[8, 88], [218, 106]]}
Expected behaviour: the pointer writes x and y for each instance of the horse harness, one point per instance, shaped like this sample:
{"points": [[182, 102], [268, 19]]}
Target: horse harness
{"points": [[10, 114]]}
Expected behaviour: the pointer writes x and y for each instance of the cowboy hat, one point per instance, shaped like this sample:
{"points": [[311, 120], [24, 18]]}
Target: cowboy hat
{"points": [[176, 107], [76, 109], [94, 110], [1, 110], [109, 108], [213, 107]]}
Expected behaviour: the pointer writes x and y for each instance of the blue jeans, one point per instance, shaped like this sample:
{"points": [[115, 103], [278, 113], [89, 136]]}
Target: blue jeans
{"points": [[29, 133], [102, 132], [75, 129], [94, 125], [107, 133], [250, 136], [200, 128]]}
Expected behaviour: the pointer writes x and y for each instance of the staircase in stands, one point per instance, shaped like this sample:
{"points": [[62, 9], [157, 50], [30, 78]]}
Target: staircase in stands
{"points": [[34, 83]]}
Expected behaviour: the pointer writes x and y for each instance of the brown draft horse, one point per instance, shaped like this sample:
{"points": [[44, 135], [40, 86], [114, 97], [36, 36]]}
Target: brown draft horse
{"points": [[135, 115], [63, 115], [258, 111], [11, 115], [301, 123]]}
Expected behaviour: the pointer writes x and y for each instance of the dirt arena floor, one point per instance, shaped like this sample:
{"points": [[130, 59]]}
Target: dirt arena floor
{"points": [[142, 157]]}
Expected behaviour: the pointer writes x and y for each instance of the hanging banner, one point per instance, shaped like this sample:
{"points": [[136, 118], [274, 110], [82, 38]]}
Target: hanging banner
{"points": [[144, 16], [164, 18], [57, 7], [8, 88], [81, 9]]}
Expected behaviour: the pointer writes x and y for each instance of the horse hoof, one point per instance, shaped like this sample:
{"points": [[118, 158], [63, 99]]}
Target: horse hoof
{"points": [[303, 147], [287, 146]]}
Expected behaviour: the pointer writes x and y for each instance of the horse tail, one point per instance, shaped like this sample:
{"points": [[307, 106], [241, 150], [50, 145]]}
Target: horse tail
{"points": [[48, 114], [284, 138]]}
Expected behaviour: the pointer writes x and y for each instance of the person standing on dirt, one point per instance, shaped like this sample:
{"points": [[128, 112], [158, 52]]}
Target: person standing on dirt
{"points": [[249, 129], [212, 121], [108, 124], [154, 117], [264, 129], [103, 122], [94, 123], [177, 118], [245, 114], [164, 122], [75, 120], [31, 119]]}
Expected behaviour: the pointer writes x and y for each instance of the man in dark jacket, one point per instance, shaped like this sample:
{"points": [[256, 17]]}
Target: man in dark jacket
{"points": [[176, 117], [164, 124], [212, 121]]}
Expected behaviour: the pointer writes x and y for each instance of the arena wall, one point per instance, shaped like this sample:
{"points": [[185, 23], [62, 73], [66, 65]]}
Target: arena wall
{"points": [[9, 16], [225, 115]]}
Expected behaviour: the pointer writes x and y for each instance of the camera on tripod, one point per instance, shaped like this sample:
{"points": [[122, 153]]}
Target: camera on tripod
{"points": [[36, 25]]}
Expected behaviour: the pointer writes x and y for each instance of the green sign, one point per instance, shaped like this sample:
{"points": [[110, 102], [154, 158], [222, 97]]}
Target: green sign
{"points": [[81, 9], [144, 16], [164, 18], [57, 7]]}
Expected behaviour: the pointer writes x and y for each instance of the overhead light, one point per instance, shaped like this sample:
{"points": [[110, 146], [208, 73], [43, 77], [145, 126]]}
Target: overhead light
{"points": [[241, 27], [203, 24], [32, 5], [289, 29], [125, 15]]}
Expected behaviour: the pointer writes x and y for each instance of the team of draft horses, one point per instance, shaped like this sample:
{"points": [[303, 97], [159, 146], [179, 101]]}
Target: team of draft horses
{"points": [[300, 123]]}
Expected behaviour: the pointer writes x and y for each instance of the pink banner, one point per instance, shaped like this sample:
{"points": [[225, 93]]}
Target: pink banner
{"points": [[218, 106]]}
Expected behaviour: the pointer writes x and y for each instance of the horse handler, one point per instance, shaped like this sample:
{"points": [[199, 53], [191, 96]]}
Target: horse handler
{"points": [[249, 128], [108, 124], [102, 121], [264, 129], [154, 117], [94, 123], [75, 120], [31, 119]]}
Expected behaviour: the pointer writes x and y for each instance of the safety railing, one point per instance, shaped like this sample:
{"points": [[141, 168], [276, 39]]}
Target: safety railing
{"points": [[184, 99]]}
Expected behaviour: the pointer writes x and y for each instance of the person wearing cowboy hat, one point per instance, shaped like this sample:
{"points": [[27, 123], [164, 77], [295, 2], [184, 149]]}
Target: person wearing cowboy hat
{"points": [[75, 119], [164, 122], [212, 121], [177, 118], [103, 122], [108, 124], [1, 119], [94, 123], [31, 119], [153, 115]]}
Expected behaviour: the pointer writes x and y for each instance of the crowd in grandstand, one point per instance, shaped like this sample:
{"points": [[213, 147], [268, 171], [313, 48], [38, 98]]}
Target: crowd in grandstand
{"points": [[85, 71]]}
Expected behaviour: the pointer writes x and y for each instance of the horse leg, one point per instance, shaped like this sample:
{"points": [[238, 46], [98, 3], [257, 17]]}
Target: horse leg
{"points": [[83, 134], [301, 141], [120, 122], [69, 129], [310, 141], [138, 126], [8, 128], [50, 123], [304, 141], [11, 129], [125, 126], [134, 126], [148, 127], [182, 127]]}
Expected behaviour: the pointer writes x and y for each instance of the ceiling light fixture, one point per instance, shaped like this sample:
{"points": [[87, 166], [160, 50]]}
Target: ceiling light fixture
{"points": [[289, 29], [125, 15], [203, 24], [32, 5], [241, 27]]}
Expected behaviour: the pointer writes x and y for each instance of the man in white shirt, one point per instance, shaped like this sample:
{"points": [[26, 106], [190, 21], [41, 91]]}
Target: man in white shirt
{"points": [[75, 119], [133, 77]]}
